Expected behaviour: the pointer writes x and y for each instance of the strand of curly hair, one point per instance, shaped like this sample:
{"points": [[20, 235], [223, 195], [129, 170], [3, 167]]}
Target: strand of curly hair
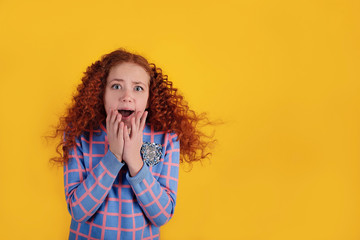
{"points": [[168, 110]]}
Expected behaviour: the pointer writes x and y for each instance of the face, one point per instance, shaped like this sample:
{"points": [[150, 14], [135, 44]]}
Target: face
{"points": [[127, 90]]}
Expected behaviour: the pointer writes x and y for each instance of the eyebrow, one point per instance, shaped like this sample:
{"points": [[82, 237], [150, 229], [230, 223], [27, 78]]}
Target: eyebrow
{"points": [[122, 80]]}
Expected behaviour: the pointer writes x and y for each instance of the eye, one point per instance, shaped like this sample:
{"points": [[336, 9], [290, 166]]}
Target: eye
{"points": [[138, 88], [116, 86]]}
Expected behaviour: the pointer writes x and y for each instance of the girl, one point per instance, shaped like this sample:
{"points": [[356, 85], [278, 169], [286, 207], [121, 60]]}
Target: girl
{"points": [[121, 149]]}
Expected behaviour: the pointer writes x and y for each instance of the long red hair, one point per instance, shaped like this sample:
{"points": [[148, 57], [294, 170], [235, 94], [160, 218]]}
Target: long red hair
{"points": [[168, 111]]}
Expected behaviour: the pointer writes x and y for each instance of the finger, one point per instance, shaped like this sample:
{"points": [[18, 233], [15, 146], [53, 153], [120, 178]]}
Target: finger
{"points": [[143, 120], [112, 121], [126, 134], [138, 117], [133, 127], [113, 116], [117, 123], [108, 119], [121, 132]]}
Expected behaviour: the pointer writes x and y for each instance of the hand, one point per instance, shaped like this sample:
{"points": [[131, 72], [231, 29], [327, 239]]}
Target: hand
{"points": [[114, 128], [133, 143]]}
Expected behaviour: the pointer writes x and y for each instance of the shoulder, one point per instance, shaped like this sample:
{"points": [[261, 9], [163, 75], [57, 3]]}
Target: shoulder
{"points": [[91, 135], [164, 138]]}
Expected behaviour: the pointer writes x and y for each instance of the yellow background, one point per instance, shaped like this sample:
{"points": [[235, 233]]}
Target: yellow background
{"points": [[283, 76]]}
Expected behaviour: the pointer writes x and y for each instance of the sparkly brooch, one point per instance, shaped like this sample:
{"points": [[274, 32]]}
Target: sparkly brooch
{"points": [[151, 153]]}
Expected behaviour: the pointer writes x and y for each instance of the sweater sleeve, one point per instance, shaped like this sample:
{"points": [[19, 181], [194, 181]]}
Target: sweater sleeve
{"points": [[85, 190], [157, 197]]}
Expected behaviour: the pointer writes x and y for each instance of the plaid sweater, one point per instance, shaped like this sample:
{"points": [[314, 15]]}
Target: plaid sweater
{"points": [[105, 202]]}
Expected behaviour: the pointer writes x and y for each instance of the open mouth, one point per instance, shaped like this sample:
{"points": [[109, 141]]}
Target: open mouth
{"points": [[125, 113]]}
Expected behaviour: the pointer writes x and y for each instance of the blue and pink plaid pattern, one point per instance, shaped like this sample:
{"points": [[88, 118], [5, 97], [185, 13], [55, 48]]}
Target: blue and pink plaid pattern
{"points": [[106, 203]]}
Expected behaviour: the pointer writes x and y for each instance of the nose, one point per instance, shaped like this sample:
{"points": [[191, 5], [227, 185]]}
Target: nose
{"points": [[126, 97]]}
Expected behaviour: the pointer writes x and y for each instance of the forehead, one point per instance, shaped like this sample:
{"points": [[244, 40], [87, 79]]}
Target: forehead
{"points": [[129, 72]]}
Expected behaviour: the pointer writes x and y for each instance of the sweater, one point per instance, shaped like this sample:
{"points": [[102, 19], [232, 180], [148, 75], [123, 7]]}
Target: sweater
{"points": [[105, 202]]}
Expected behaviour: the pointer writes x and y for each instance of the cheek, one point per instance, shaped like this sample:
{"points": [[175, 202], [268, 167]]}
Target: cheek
{"points": [[106, 107], [147, 102], [107, 103]]}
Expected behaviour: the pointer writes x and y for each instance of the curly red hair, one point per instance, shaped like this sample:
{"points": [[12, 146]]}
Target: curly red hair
{"points": [[168, 111]]}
